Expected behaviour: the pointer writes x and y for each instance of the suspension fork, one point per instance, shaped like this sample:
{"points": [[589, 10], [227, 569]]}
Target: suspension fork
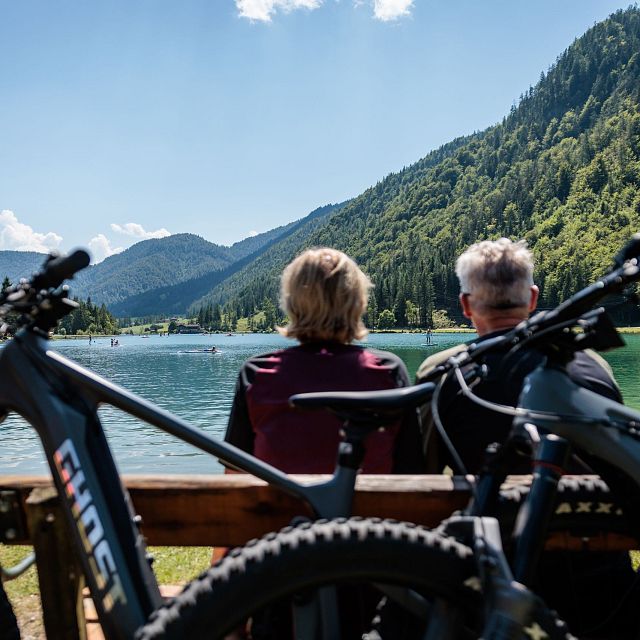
{"points": [[499, 461], [535, 514]]}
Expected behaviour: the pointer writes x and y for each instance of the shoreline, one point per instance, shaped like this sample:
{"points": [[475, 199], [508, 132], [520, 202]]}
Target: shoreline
{"points": [[621, 330]]}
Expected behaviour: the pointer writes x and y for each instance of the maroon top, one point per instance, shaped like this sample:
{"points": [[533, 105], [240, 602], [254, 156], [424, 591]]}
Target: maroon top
{"points": [[263, 423]]}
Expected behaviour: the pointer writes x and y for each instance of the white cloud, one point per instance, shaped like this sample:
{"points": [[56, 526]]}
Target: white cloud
{"points": [[16, 236], [253, 233], [100, 247], [387, 10], [135, 230], [263, 10]]}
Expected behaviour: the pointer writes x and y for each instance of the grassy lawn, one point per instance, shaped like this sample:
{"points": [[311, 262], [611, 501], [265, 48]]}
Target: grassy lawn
{"points": [[172, 565], [140, 329]]}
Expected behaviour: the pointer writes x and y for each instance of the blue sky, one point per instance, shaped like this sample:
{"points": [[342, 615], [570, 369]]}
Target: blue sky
{"points": [[125, 120]]}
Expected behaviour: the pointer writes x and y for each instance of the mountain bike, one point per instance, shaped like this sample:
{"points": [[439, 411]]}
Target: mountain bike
{"points": [[422, 570], [456, 581], [60, 400]]}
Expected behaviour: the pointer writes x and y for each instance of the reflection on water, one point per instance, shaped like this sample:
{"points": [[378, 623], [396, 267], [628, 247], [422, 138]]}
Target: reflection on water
{"points": [[198, 387]]}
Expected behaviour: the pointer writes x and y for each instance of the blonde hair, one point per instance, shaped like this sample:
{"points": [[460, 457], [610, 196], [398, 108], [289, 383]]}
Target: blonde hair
{"points": [[324, 293], [498, 272]]}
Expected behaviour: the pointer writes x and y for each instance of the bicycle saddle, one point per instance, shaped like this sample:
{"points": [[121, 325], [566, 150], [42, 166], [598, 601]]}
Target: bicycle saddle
{"points": [[363, 405]]}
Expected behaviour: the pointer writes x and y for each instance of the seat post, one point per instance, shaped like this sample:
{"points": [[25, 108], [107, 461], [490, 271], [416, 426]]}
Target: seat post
{"points": [[352, 450]]}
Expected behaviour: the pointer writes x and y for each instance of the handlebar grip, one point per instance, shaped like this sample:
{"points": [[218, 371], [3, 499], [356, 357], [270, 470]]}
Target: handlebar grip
{"points": [[56, 271]]}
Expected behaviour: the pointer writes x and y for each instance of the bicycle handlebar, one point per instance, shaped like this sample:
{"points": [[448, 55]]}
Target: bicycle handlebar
{"points": [[36, 301], [58, 269], [629, 251]]}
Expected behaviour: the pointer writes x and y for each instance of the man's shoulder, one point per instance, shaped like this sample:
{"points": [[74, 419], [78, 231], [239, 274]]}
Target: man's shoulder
{"points": [[598, 360], [437, 359], [594, 364]]}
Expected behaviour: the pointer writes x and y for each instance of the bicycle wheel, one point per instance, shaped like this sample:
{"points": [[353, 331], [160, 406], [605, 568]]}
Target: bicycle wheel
{"points": [[585, 508], [337, 552], [593, 586], [8, 623]]}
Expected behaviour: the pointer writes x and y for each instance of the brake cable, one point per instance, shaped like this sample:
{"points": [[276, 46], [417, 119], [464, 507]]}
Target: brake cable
{"points": [[435, 413], [517, 411]]}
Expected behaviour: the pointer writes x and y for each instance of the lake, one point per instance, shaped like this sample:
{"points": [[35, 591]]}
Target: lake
{"points": [[199, 388]]}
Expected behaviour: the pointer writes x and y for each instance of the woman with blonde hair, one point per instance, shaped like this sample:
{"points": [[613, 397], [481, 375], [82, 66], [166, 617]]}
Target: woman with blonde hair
{"points": [[324, 294]]}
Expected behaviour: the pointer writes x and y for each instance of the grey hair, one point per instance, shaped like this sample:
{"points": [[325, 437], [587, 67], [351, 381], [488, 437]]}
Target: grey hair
{"points": [[498, 272]]}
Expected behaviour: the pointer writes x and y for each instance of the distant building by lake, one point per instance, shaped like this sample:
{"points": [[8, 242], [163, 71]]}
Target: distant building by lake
{"points": [[189, 328]]}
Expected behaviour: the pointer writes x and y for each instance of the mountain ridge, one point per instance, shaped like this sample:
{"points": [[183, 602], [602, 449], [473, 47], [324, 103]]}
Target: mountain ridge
{"points": [[561, 170], [177, 298]]}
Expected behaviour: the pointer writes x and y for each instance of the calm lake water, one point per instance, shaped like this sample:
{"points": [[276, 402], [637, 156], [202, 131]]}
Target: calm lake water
{"points": [[199, 388]]}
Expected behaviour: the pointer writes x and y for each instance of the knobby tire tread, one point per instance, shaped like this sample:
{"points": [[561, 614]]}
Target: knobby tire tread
{"points": [[585, 506], [322, 552]]}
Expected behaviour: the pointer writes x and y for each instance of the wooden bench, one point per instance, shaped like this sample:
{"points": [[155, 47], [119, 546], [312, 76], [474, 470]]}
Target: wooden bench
{"points": [[224, 510]]}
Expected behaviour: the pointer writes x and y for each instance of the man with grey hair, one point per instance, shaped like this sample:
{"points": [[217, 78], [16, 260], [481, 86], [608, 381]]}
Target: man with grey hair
{"points": [[496, 284], [496, 293]]}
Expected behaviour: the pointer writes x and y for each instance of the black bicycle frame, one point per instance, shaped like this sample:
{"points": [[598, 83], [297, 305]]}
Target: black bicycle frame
{"points": [[602, 427], [572, 416], [60, 400]]}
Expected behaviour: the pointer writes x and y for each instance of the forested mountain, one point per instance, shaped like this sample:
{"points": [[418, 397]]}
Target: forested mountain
{"points": [[146, 265], [253, 244], [176, 298], [267, 266], [561, 170], [19, 264]]}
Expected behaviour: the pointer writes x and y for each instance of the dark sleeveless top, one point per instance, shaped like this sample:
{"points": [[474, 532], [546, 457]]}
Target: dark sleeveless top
{"points": [[262, 423]]}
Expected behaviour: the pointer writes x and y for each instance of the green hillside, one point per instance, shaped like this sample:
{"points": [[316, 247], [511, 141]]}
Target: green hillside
{"points": [[253, 244], [178, 296], [19, 264], [263, 271], [561, 170], [147, 265]]}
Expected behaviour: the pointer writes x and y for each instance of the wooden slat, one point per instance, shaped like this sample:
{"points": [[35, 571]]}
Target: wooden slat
{"points": [[237, 508], [60, 577], [228, 510]]}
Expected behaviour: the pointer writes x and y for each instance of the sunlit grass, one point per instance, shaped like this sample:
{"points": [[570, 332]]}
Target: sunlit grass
{"points": [[172, 565]]}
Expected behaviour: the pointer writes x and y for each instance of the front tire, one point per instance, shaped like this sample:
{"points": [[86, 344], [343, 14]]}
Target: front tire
{"points": [[337, 552]]}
